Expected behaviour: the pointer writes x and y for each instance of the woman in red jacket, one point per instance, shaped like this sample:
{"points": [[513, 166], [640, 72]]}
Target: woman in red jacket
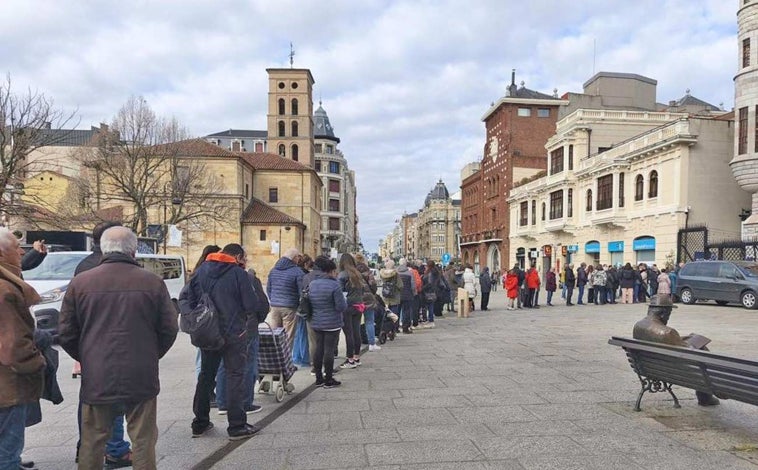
{"points": [[511, 285]]}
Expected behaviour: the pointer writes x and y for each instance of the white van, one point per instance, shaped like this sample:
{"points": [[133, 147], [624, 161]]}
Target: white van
{"points": [[51, 278]]}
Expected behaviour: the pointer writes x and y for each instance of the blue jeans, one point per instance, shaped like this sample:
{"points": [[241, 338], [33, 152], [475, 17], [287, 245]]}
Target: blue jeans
{"points": [[430, 312], [581, 295], [550, 297], [368, 320], [12, 424], [251, 375], [116, 446]]}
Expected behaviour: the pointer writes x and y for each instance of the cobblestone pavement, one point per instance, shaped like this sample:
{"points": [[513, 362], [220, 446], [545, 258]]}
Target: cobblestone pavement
{"points": [[526, 389]]}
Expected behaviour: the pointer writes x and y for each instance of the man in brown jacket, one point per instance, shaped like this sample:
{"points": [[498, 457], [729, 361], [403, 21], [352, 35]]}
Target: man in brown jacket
{"points": [[21, 363], [118, 321]]}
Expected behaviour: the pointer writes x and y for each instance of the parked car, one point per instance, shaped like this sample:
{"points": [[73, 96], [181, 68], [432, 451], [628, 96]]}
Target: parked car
{"points": [[52, 277], [722, 281]]}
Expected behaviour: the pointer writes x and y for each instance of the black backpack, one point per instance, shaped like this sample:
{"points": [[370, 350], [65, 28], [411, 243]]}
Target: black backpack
{"points": [[389, 289], [202, 324]]}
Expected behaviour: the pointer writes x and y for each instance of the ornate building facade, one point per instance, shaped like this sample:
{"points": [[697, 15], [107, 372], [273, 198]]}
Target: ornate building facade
{"points": [[517, 127], [339, 220]]}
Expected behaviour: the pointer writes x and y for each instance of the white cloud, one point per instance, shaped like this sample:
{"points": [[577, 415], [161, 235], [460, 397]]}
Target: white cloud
{"points": [[405, 83]]}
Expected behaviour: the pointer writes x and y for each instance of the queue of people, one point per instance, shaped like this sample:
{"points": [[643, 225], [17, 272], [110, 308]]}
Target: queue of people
{"points": [[609, 284]]}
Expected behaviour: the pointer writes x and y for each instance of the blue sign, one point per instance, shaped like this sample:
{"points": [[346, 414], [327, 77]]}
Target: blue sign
{"points": [[644, 244], [572, 248], [446, 259], [615, 247], [592, 247]]}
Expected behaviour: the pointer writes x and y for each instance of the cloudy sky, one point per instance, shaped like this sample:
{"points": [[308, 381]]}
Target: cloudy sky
{"points": [[405, 83]]}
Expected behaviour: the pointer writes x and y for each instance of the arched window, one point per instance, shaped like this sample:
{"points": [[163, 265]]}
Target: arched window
{"points": [[294, 128], [281, 128], [281, 106], [653, 184], [282, 150], [543, 211], [295, 153], [570, 205], [589, 200], [294, 106], [639, 185]]}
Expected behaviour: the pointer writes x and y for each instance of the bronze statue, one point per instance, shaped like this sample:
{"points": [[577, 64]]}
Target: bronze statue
{"points": [[654, 328]]}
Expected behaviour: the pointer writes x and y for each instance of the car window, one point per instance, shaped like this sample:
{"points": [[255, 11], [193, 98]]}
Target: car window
{"points": [[727, 270], [56, 267], [750, 270], [706, 269], [166, 268]]}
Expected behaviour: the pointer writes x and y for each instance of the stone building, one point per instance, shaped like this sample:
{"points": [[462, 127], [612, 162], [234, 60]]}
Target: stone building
{"points": [[240, 140], [745, 152], [622, 182], [438, 225], [290, 114], [339, 220], [517, 127]]}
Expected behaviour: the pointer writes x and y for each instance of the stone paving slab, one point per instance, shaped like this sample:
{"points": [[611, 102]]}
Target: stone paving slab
{"points": [[528, 389]]}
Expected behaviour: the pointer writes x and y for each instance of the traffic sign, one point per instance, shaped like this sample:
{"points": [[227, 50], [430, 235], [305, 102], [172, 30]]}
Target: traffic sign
{"points": [[445, 259]]}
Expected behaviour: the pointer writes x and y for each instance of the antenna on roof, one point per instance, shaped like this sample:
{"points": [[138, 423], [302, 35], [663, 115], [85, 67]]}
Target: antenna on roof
{"points": [[292, 55]]}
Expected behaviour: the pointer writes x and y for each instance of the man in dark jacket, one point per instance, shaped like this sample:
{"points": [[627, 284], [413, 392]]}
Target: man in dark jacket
{"points": [[570, 280], [285, 282], [485, 284], [407, 295], [21, 362], [118, 321], [253, 346], [581, 281], [117, 449], [228, 285]]}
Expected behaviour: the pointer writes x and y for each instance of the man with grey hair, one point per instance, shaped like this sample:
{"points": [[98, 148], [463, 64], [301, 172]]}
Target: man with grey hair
{"points": [[285, 282], [21, 363], [118, 320]]}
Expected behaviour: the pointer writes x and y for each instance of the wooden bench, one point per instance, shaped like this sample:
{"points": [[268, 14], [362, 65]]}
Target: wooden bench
{"points": [[659, 366]]}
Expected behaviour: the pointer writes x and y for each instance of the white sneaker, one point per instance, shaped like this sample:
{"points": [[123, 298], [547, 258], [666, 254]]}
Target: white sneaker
{"points": [[374, 347], [430, 325]]}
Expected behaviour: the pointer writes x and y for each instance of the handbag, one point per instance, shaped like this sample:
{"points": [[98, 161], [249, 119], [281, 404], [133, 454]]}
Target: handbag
{"points": [[304, 307]]}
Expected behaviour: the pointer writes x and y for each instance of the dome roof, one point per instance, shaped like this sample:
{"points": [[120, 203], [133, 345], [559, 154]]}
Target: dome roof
{"points": [[322, 128], [438, 192]]}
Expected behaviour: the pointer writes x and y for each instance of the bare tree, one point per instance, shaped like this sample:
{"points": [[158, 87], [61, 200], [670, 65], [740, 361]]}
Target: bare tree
{"points": [[139, 163], [28, 121]]}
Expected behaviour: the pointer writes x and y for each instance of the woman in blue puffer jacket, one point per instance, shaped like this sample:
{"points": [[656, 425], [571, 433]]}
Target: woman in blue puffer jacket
{"points": [[327, 305]]}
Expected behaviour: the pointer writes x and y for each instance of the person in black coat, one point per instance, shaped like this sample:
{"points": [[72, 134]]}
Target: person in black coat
{"points": [[35, 256]]}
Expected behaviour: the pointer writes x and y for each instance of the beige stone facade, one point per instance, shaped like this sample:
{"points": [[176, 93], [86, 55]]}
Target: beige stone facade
{"points": [[290, 114], [628, 202]]}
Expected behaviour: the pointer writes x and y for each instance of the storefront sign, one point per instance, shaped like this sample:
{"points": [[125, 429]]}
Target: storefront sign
{"points": [[644, 244], [573, 248], [533, 253], [592, 247], [615, 247]]}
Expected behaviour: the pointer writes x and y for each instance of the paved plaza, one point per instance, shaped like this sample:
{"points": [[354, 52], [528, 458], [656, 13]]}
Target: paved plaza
{"points": [[527, 389]]}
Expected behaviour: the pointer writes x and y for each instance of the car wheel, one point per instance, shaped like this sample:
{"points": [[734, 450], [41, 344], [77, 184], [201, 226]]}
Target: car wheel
{"points": [[687, 297], [749, 299], [722, 302]]}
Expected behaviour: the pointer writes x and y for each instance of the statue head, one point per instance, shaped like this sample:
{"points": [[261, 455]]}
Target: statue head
{"points": [[661, 307]]}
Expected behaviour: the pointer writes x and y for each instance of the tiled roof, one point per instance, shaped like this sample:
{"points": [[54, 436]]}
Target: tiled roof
{"points": [[248, 133], [259, 213], [194, 148], [270, 161], [689, 100]]}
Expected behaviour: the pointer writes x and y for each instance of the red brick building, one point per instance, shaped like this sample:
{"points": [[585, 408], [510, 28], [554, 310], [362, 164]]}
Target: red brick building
{"points": [[518, 127]]}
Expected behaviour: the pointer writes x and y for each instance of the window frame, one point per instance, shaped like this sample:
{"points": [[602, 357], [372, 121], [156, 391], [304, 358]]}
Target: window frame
{"points": [[524, 112], [273, 194], [282, 129], [523, 214], [588, 206], [604, 192], [639, 187], [556, 205], [652, 185], [556, 161]]}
